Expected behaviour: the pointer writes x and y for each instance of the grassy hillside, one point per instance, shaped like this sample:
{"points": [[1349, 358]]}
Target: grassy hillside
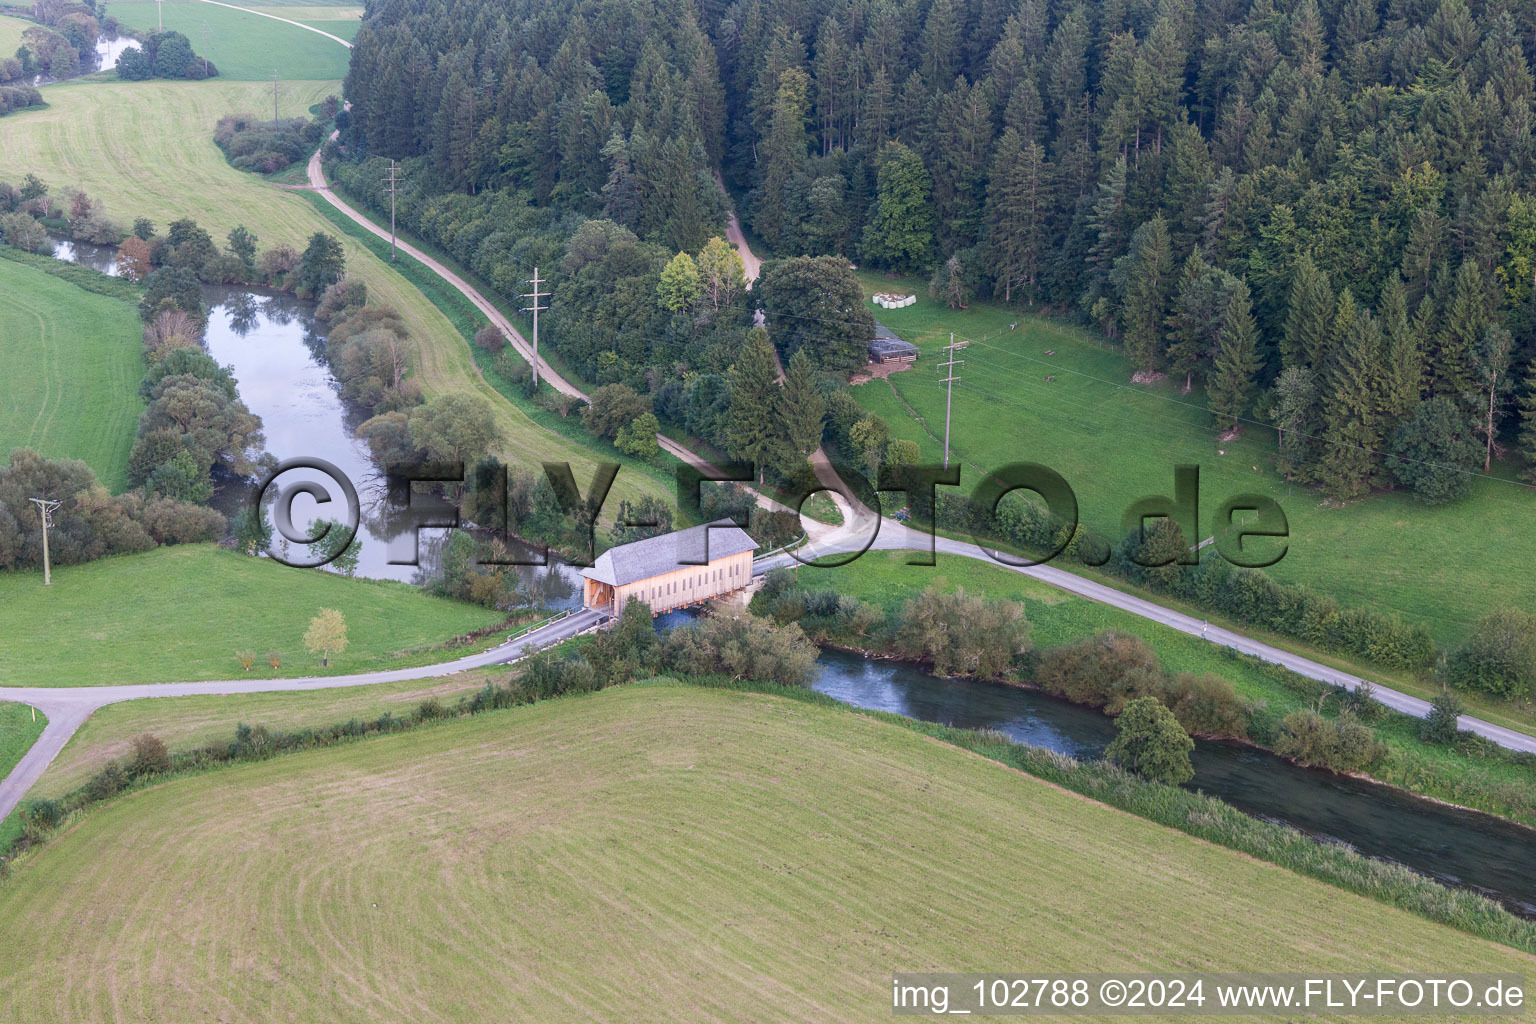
{"points": [[182, 613], [10, 34], [650, 853], [71, 365], [147, 149], [1053, 395], [244, 46]]}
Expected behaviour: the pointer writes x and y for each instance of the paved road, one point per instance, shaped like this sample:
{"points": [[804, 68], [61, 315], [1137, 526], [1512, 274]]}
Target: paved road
{"points": [[68, 707], [896, 536]]}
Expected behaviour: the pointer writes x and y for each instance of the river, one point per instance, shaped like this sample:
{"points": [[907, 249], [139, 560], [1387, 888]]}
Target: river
{"points": [[275, 347], [1458, 847]]}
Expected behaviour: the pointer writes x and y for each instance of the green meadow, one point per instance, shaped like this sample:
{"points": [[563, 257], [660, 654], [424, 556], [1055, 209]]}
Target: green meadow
{"points": [[243, 45], [182, 613], [71, 366], [1045, 393]]}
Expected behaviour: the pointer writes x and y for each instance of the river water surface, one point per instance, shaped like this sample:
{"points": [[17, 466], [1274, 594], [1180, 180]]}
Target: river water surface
{"points": [[1464, 848]]}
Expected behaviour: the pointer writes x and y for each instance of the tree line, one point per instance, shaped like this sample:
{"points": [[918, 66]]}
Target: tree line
{"points": [[1315, 212]]}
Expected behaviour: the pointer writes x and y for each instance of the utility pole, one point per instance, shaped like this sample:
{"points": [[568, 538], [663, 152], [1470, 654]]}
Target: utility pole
{"points": [[535, 309], [394, 187], [159, 16], [274, 99], [205, 47], [949, 379], [45, 509]]}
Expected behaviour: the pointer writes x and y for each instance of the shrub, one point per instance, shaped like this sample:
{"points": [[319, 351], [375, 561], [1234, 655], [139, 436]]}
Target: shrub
{"points": [[1347, 745], [1150, 742], [1499, 657], [106, 783], [1441, 725], [1101, 671], [1207, 705], [961, 635], [39, 817], [150, 756], [743, 646], [491, 338]]}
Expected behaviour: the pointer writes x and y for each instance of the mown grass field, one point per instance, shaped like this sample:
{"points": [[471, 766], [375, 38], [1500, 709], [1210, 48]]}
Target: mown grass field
{"points": [[182, 613], [647, 853], [71, 365], [147, 149], [244, 46], [1049, 394], [1057, 617], [10, 34], [184, 722]]}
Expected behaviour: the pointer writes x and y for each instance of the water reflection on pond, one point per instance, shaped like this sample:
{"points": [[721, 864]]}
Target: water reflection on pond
{"points": [[275, 348]]}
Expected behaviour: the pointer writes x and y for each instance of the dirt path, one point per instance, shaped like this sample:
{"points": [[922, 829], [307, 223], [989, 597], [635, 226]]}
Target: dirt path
{"points": [[750, 264], [317, 182]]}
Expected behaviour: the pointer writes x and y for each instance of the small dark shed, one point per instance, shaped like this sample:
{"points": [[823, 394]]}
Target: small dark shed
{"points": [[890, 349]]}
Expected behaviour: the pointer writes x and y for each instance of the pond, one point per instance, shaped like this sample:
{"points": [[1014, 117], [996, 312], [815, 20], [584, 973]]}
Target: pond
{"points": [[1457, 847], [275, 346], [102, 58]]}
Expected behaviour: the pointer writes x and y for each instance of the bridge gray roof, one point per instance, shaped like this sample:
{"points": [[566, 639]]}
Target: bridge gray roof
{"points": [[655, 556]]}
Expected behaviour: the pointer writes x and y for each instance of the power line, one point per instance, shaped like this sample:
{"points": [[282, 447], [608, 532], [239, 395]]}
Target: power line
{"points": [[950, 379], [45, 509], [394, 189], [535, 309]]}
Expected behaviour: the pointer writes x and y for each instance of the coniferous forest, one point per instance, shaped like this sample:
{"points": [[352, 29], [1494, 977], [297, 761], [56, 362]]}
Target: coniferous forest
{"points": [[1321, 212]]}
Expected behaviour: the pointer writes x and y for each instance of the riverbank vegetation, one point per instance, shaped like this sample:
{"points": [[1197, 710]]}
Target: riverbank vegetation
{"points": [[836, 785], [1097, 655], [242, 604]]}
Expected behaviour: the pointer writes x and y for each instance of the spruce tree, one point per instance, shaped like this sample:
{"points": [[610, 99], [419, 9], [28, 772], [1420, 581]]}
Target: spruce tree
{"points": [[1189, 324], [1403, 363], [1018, 200], [1146, 278], [1352, 431], [1527, 437], [801, 409], [1452, 362], [1294, 400], [1233, 381], [753, 432], [1308, 317]]}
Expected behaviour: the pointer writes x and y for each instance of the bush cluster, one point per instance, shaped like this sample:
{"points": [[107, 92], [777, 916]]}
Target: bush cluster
{"points": [[1343, 745], [1112, 668], [1248, 595], [368, 348], [262, 147]]}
